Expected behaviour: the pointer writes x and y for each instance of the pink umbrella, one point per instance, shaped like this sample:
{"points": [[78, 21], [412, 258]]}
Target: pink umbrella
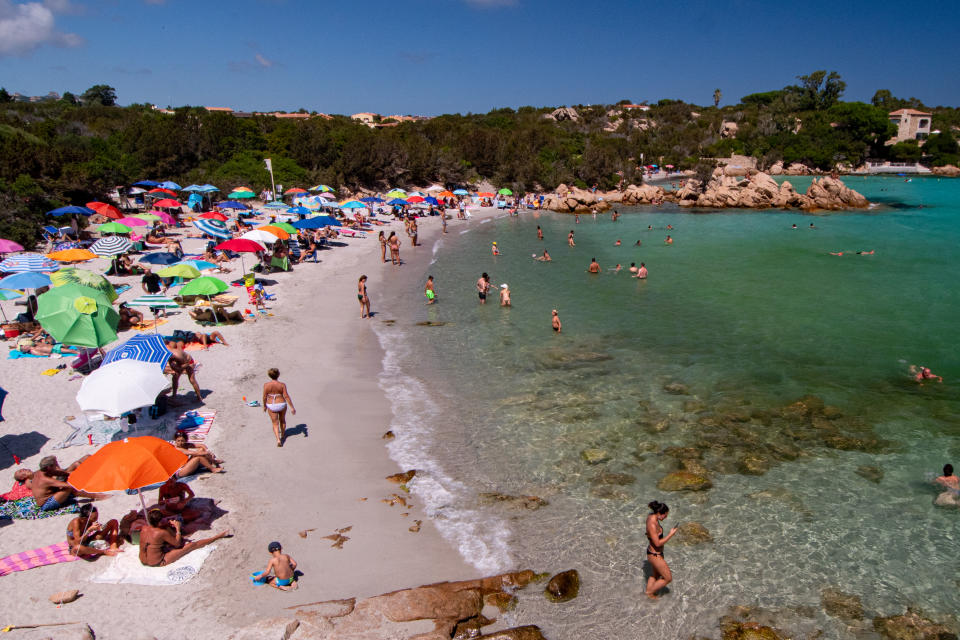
{"points": [[165, 217], [9, 246], [133, 222]]}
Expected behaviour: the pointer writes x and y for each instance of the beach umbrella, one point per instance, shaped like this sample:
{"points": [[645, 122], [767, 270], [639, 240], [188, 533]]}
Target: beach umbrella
{"points": [[276, 204], [213, 228], [300, 211], [185, 271], [241, 246], [130, 221], [146, 183], [317, 222], [445, 194], [396, 193], [167, 204], [204, 286], [431, 200], [294, 191], [170, 185], [505, 192], [142, 347], [159, 191], [460, 192], [415, 199], [209, 188], [9, 246], [285, 226], [105, 209], [281, 233], [77, 315], [25, 280], [114, 227], [321, 187], [8, 294], [352, 204], [416, 193], [149, 217], [71, 210], [192, 188], [122, 386], [28, 262], [261, 236], [230, 204], [326, 196], [485, 194], [241, 195], [72, 275], [154, 301], [136, 191], [199, 265], [72, 255], [371, 200], [165, 217], [111, 246], [161, 257], [398, 201], [214, 215], [435, 187]]}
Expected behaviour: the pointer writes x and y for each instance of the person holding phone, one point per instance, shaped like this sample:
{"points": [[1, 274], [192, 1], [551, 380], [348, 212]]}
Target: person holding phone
{"points": [[660, 576]]}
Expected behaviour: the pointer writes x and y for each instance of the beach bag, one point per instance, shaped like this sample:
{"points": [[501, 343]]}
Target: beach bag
{"points": [[159, 408]]}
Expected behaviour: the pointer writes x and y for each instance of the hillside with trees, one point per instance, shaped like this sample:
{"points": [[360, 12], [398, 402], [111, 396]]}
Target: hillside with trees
{"points": [[79, 148]]}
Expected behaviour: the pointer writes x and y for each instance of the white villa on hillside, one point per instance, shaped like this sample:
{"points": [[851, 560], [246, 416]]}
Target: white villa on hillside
{"points": [[911, 125]]}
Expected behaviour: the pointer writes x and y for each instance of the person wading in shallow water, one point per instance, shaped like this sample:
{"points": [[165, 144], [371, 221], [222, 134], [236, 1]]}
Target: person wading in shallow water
{"points": [[660, 576]]}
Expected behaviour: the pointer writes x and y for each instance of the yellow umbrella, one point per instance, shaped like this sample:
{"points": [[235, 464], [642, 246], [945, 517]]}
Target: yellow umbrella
{"points": [[72, 255]]}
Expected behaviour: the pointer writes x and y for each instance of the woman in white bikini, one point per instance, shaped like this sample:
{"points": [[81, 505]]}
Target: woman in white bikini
{"points": [[275, 401]]}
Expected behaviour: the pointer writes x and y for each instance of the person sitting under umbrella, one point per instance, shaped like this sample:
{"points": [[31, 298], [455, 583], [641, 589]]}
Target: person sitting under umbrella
{"points": [[128, 317], [210, 255], [84, 528], [174, 501], [161, 545]]}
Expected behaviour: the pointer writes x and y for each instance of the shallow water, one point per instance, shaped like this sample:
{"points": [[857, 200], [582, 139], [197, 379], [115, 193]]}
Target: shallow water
{"points": [[749, 315]]}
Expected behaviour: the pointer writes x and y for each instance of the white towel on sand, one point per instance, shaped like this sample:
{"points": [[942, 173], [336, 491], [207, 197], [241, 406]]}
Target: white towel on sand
{"points": [[126, 568]]}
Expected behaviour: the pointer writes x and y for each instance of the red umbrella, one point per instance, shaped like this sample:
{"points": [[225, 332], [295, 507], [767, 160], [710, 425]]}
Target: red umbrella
{"points": [[214, 215], [415, 199], [105, 209], [167, 204], [294, 190], [241, 245], [167, 191]]}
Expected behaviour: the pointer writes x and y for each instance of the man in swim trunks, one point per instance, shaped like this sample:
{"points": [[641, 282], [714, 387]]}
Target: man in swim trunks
{"points": [[160, 546], [555, 321], [181, 363], [641, 272], [50, 489], [594, 266], [483, 287], [429, 292]]}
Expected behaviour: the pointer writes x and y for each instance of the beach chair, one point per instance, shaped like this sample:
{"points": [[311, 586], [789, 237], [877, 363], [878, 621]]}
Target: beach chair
{"points": [[280, 263], [294, 246]]}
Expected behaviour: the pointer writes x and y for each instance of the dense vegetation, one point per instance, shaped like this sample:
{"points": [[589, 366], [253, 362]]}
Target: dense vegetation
{"points": [[80, 147]]}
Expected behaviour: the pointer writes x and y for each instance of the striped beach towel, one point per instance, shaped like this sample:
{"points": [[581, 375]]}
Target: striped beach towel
{"points": [[34, 558], [196, 433]]}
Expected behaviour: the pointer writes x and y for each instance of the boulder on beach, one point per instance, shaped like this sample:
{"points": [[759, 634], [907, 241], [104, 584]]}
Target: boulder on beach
{"points": [[948, 171], [563, 587]]}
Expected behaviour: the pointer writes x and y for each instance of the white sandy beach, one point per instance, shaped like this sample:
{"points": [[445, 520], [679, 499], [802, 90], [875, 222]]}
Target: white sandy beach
{"points": [[330, 474]]}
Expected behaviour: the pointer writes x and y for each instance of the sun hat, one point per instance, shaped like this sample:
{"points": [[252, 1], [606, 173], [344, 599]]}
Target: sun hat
{"points": [[503, 286]]}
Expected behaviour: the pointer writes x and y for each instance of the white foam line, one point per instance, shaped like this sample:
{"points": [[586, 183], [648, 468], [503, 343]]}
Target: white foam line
{"points": [[465, 231], [485, 220], [481, 539]]}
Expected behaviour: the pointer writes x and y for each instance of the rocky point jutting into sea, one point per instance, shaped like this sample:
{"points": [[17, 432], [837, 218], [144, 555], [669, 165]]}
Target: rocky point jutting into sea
{"points": [[757, 190]]}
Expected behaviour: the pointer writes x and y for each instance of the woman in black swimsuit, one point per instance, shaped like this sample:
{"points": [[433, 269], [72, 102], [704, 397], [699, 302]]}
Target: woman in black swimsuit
{"points": [[661, 576]]}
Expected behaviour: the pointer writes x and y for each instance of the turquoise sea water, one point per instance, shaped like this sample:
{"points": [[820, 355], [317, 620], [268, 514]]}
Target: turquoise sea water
{"points": [[749, 315]]}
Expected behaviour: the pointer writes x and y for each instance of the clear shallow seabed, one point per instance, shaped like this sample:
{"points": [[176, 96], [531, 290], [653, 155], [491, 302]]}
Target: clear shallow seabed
{"points": [[749, 315]]}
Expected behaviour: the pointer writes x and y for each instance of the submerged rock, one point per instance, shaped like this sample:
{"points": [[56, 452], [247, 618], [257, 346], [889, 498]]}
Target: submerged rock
{"points": [[690, 533], [594, 456], [607, 492], [677, 389], [530, 503], [733, 630], [753, 465], [912, 626], [563, 587], [873, 474], [527, 632], [841, 605], [501, 600], [608, 477], [684, 481]]}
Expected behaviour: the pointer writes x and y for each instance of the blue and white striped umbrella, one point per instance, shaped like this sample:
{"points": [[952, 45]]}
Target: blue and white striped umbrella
{"points": [[28, 262], [111, 246], [142, 347], [213, 228]]}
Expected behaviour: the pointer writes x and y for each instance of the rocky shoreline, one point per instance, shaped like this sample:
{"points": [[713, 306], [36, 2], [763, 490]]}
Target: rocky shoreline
{"points": [[756, 190]]}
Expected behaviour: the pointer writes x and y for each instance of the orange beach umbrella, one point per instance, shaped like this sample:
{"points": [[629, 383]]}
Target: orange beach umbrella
{"points": [[72, 255], [277, 231], [131, 463]]}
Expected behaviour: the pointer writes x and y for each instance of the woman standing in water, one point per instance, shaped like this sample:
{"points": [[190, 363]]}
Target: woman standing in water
{"points": [[661, 576], [363, 297], [275, 402], [383, 247]]}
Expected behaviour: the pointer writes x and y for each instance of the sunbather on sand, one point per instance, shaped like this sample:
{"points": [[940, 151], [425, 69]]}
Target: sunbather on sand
{"points": [[85, 528], [161, 545], [50, 489], [205, 314], [199, 456]]}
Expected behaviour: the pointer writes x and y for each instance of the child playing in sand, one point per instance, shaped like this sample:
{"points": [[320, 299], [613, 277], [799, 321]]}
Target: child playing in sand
{"points": [[283, 567]]}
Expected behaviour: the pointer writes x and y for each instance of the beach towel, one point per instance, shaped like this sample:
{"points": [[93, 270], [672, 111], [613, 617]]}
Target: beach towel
{"points": [[16, 355], [150, 324], [87, 430], [126, 568], [50, 372], [27, 509], [120, 288], [196, 432], [18, 492], [34, 558]]}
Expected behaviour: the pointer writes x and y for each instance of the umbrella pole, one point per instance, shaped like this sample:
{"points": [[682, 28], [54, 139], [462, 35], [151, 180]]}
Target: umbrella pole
{"points": [[213, 309], [143, 505]]}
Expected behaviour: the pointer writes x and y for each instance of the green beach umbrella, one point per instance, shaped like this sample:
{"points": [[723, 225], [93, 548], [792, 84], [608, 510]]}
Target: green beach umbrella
{"points": [[184, 271], [77, 315], [72, 275], [146, 216], [505, 192], [286, 226], [241, 195], [204, 286], [396, 193], [114, 227]]}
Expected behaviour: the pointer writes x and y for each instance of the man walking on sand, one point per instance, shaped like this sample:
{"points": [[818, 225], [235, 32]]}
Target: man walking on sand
{"points": [[483, 287]]}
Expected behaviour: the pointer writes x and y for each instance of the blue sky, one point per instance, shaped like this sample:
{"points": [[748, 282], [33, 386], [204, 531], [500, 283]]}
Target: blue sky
{"points": [[445, 56]]}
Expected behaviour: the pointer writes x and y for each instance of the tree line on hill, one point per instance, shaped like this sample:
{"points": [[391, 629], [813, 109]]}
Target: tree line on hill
{"points": [[78, 149]]}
